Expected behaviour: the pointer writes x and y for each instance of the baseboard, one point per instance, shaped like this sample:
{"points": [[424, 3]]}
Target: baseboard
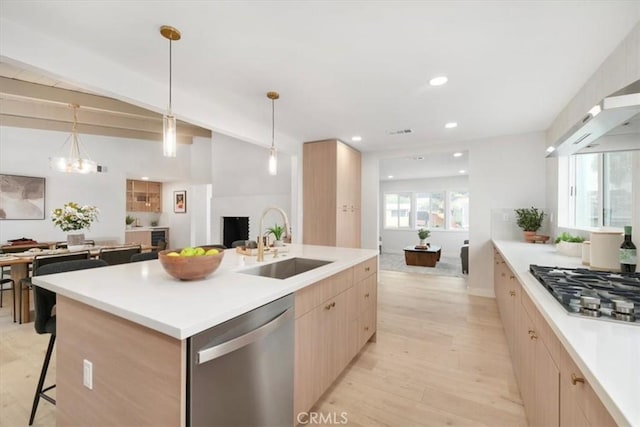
{"points": [[481, 292]]}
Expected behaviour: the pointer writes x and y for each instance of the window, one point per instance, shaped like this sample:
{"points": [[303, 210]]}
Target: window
{"points": [[459, 210], [430, 210], [397, 210], [599, 190], [433, 210]]}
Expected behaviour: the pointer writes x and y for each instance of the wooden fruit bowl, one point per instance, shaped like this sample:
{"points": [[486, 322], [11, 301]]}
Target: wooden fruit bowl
{"points": [[189, 268]]}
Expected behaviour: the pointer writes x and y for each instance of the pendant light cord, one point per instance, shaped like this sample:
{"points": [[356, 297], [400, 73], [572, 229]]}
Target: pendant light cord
{"points": [[170, 68], [273, 122]]}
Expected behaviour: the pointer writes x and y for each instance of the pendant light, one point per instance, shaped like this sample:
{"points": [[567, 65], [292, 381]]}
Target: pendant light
{"points": [[169, 121], [75, 162], [273, 160]]}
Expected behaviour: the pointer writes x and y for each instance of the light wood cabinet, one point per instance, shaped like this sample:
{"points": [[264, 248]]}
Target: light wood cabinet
{"points": [[334, 319], [331, 194], [553, 389], [580, 405], [144, 196]]}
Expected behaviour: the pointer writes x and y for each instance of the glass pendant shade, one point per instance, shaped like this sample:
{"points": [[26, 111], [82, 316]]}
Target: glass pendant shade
{"points": [[273, 162], [169, 142]]}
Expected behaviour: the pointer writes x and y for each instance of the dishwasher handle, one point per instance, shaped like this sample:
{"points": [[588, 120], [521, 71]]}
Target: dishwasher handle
{"points": [[226, 347]]}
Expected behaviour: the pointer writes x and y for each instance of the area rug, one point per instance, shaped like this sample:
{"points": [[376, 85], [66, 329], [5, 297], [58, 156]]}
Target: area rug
{"points": [[447, 266]]}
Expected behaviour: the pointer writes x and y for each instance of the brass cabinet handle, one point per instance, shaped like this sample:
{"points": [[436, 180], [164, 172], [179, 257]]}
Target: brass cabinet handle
{"points": [[534, 337], [503, 275], [367, 268], [512, 293], [366, 295], [576, 379], [330, 305], [511, 277], [366, 328], [497, 263]]}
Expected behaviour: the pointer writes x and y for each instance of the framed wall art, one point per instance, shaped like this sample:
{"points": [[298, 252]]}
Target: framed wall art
{"points": [[180, 201], [21, 197]]}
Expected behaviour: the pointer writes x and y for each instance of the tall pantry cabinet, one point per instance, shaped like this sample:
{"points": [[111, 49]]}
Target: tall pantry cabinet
{"points": [[331, 194]]}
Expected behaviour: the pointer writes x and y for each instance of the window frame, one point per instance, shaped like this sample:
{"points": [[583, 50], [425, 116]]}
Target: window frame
{"points": [[413, 217]]}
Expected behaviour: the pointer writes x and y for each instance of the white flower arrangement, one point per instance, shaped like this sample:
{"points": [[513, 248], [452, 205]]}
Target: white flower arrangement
{"points": [[73, 217]]}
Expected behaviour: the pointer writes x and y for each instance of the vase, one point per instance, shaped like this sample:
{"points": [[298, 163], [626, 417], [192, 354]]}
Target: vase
{"points": [[277, 243], [75, 241], [423, 242]]}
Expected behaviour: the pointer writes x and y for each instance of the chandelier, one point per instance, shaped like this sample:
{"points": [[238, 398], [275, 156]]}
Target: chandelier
{"points": [[75, 162]]}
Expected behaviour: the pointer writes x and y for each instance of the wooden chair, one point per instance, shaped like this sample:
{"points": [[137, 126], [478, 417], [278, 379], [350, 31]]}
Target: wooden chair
{"points": [[121, 255], [45, 323]]}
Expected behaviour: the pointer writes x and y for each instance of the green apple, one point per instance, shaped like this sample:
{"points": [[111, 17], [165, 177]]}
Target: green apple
{"points": [[212, 252], [199, 252], [188, 252]]}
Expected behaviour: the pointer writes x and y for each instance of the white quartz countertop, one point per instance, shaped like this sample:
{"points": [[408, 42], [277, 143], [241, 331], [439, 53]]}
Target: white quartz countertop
{"points": [[144, 293], [608, 353]]}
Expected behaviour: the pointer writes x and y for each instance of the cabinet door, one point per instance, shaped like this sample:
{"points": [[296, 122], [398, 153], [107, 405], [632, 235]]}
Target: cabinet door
{"points": [[580, 405], [310, 354], [547, 387], [524, 360]]}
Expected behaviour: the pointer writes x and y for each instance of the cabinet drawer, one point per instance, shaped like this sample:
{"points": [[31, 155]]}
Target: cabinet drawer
{"points": [[313, 295], [579, 402], [364, 269], [366, 293], [366, 326]]}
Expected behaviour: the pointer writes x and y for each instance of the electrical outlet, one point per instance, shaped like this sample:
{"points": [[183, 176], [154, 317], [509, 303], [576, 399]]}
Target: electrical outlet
{"points": [[87, 377]]}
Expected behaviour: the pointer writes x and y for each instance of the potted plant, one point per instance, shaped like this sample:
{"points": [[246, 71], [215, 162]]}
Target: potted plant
{"points": [[277, 231], [569, 245], [423, 234], [530, 221], [129, 220]]}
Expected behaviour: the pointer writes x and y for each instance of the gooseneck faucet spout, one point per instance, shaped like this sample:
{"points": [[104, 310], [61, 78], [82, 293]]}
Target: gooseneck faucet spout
{"points": [[287, 230]]}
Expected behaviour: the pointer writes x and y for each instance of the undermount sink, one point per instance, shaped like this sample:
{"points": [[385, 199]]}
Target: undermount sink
{"points": [[285, 269]]}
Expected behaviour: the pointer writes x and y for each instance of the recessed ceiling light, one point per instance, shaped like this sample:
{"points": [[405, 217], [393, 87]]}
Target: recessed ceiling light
{"points": [[458, 154], [418, 158], [462, 171], [390, 177], [551, 149], [451, 125], [438, 81], [356, 138], [145, 178]]}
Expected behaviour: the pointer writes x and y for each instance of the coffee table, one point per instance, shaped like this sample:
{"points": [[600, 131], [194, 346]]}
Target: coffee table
{"points": [[422, 257]]}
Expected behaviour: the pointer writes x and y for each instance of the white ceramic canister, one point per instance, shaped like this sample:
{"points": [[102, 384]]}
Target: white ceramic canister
{"points": [[586, 252], [605, 247]]}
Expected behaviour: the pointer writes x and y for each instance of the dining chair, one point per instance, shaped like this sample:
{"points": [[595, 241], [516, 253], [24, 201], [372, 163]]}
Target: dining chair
{"points": [[122, 255], [40, 261], [144, 256], [45, 322], [3, 281]]}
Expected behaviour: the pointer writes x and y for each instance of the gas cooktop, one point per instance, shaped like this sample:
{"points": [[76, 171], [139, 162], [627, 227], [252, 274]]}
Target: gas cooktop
{"points": [[595, 294]]}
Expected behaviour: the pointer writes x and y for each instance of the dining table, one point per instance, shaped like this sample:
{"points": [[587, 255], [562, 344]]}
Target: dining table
{"points": [[19, 263]]}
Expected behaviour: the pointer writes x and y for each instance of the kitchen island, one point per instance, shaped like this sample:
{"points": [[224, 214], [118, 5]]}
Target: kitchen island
{"points": [[606, 354], [132, 321]]}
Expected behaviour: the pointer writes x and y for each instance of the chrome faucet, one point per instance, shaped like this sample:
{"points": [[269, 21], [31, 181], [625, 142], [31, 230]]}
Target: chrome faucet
{"points": [[287, 230]]}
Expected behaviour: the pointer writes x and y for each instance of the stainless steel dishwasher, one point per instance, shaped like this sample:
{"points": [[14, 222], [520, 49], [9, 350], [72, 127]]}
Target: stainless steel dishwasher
{"points": [[240, 373]]}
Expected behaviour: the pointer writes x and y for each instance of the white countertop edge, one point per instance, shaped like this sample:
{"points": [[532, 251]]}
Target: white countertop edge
{"points": [[550, 309], [187, 330]]}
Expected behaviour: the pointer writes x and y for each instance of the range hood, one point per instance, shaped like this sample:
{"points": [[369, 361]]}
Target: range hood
{"points": [[611, 125]]}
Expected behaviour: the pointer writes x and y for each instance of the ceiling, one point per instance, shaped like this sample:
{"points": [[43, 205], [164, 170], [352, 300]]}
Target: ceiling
{"points": [[351, 68], [428, 165]]}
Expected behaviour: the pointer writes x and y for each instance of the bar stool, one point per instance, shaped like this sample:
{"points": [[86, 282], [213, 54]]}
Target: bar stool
{"points": [[45, 323]]}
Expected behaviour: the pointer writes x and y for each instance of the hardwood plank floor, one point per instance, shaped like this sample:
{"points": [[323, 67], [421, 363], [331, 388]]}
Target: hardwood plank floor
{"points": [[441, 358]]}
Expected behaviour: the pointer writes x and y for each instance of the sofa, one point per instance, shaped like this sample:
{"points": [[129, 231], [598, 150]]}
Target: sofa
{"points": [[464, 257]]}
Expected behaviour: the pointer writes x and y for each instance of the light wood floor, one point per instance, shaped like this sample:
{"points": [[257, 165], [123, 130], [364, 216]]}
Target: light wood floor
{"points": [[441, 358]]}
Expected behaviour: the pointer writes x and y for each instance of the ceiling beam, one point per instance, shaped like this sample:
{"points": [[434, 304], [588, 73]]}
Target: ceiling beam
{"points": [[44, 124], [31, 100]]}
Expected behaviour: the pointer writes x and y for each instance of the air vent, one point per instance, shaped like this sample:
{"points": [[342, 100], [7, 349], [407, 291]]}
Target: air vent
{"points": [[399, 132]]}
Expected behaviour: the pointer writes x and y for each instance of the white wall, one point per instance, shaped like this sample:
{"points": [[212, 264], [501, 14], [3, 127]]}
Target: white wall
{"points": [[370, 187], [243, 187], [393, 241], [27, 152], [505, 172]]}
